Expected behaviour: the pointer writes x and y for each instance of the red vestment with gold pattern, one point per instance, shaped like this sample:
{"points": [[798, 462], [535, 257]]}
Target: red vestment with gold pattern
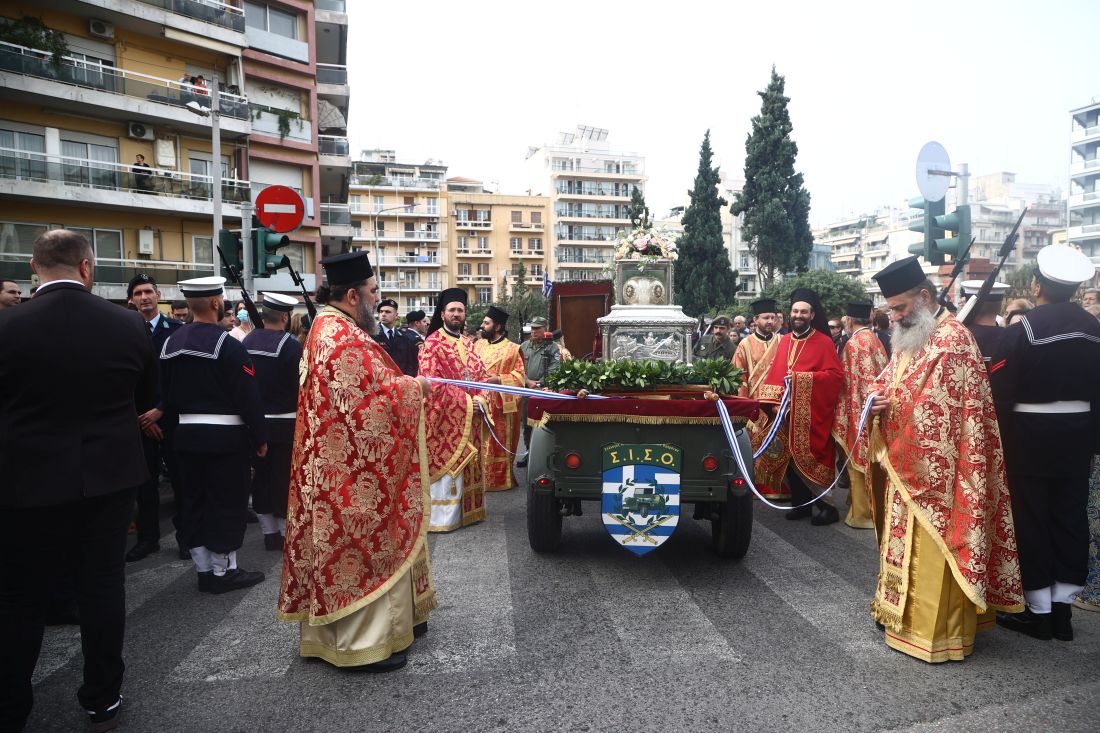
{"points": [[816, 379], [502, 359], [863, 359], [748, 357], [357, 514]]}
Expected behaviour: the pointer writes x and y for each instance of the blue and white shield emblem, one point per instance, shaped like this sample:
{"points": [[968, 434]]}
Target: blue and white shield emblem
{"points": [[641, 494]]}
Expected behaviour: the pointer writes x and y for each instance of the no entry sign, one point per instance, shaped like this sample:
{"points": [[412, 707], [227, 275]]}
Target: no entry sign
{"points": [[280, 208]]}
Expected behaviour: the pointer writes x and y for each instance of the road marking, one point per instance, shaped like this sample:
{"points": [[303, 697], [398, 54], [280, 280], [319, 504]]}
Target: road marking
{"points": [[473, 628], [829, 602]]}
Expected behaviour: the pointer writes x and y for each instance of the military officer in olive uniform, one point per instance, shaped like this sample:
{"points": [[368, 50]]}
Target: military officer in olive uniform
{"points": [[540, 357], [720, 344]]}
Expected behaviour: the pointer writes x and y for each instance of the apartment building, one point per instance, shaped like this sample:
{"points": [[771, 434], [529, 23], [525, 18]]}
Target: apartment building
{"points": [[492, 236], [589, 186], [135, 77], [1084, 180], [398, 215]]}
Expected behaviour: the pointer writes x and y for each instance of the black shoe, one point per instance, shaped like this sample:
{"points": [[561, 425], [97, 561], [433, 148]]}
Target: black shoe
{"points": [[800, 513], [236, 579], [827, 515], [204, 582], [273, 541], [420, 629], [250, 517], [184, 553], [522, 462], [1060, 621], [142, 550], [1035, 625], [394, 662], [63, 614], [107, 719]]}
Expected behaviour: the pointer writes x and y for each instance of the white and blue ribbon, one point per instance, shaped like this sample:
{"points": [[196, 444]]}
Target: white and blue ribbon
{"points": [[780, 415], [508, 389]]}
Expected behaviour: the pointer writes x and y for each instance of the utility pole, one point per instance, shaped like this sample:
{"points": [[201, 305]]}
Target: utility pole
{"points": [[246, 247]]}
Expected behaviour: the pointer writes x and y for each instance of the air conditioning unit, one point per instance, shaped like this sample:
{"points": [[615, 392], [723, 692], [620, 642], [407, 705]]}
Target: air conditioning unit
{"points": [[101, 29], [139, 131], [145, 241]]}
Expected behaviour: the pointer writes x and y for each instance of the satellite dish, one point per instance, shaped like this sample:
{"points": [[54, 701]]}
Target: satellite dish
{"points": [[933, 171]]}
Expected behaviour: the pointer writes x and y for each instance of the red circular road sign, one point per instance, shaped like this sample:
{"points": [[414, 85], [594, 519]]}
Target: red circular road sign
{"points": [[280, 208]]}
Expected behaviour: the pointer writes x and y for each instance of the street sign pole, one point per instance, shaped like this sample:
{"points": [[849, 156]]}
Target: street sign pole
{"points": [[216, 150], [246, 246]]}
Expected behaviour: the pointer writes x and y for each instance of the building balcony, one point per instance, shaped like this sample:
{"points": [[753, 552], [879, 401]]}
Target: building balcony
{"points": [[390, 210], [1084, 200], [265, 121], [420, 236], [1085, 168], [368, 182], [57, 178], [276, 44], [480, 225], [406, 286], [76, 86], [425, 260], [332, 84], [522, 228], [602, 192], [607, 240], [336, 221], [585, 171], [334, 150], [112, 275], [194, 22], [602, 215], [536, 254], [1083, 231], [1085, 134], [466, 252], [474, 279]]}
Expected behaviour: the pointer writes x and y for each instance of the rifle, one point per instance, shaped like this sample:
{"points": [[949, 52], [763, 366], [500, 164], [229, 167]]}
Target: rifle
{"points": [[966, 314], [960, 263], [305, 294], [249, 306]]}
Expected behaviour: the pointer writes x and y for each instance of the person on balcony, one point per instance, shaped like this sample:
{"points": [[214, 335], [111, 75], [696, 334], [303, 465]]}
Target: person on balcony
{"points": [[143, 175]]}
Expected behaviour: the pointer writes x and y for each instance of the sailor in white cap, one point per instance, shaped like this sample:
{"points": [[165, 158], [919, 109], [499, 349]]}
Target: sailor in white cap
{"points": [[1045, 370], [984, 324], [275, 354], [209, 387]]}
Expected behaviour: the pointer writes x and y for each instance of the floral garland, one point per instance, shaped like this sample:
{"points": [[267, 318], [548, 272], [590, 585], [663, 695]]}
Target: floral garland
{"points": [[645, 244]]}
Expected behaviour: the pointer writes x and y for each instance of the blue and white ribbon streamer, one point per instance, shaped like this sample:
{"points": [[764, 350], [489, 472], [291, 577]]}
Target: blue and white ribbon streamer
{"points": [[780, 414], [507, 389]]}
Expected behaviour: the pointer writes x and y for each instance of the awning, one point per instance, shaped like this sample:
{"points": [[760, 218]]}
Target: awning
{"points": [[329, 116], [876, 237], [846, 257]]}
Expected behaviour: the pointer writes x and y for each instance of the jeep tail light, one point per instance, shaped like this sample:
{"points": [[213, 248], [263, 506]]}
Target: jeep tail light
{"points": [[544, 482], [572, 460], [739, 482], [710, 463]]}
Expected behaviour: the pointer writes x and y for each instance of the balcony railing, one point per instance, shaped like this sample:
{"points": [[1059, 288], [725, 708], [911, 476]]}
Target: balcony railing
{"points": [[518, 226], [467, 252], [585, 259], [16, 266], [392, 210], [1081, 198], [475, 278], [340, 6], [590, 214], [582, 237], [335, 215], [43, 168], [92, 75], [406, 260], [404, 236], [375, 181], [473, 224], [332, 74], [622, 171], [333, 145], [208, 11], [622, 191]]}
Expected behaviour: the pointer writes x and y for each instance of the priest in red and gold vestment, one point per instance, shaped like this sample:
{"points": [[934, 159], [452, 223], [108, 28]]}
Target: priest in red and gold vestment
{"points": [[355, 565], [748, 357], [504, 363], [936, 468], [456, 424], [803, 453], [863, 359]]}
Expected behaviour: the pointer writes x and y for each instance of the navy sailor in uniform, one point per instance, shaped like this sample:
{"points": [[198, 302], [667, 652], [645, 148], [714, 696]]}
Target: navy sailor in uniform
{"points": [[208, 387], [987, 331], [1044, 370], [275, 355]]}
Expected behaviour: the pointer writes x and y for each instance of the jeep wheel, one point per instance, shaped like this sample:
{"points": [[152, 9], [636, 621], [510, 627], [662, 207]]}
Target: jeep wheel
{"points": [[543, 521], [732, 529]]}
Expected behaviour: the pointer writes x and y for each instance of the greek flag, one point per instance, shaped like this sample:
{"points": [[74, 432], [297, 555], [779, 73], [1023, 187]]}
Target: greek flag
{"points": [[547, 286]]}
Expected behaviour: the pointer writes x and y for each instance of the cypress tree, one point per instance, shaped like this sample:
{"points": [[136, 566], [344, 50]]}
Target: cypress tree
{"points": [[638, 212]]}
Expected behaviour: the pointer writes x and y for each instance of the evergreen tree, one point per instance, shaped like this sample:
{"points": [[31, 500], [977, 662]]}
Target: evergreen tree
{"points": [[638, 213], [775, 203], [835, 290], [703, 276], [523, 303]]}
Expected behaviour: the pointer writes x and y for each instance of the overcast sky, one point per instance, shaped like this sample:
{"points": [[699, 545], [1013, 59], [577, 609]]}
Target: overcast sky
{"points": [[474, 84]]}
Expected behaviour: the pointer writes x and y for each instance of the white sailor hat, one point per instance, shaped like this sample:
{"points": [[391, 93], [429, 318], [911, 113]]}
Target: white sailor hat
{"points": [[971, 287], [277, 302], [1065, 265], [202, 287]]}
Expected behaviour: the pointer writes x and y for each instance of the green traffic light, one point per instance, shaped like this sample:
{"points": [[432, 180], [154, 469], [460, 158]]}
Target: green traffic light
{"points": [[929, 227], [957, 222], [265, 243]]}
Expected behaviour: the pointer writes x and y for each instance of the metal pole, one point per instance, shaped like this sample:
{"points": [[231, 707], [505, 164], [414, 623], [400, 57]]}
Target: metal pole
{"points": [[216, 149], [246, 246], [962, 195]]}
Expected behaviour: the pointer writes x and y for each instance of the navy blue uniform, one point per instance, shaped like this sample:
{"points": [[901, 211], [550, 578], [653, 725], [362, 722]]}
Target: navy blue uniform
{"points": [[209, 388], [276, 356], [402, 347]]}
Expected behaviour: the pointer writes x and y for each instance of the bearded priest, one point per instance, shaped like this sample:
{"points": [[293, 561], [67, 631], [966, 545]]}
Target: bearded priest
{"points": [[947, 543], [803, 453], [455, 417], [863, 358], [503, 360], [748, 357], [355, 566]]}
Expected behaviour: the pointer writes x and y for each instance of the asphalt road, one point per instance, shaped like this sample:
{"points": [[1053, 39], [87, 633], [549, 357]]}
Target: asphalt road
{"points": [[589, 639]]}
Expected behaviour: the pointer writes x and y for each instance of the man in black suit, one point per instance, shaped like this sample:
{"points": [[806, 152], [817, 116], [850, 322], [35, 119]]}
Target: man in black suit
{"points": [[143, 295], [70, 455], [400, 345]]}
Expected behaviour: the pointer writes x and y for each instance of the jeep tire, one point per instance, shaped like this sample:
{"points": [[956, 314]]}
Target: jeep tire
{"points": [[731, 530], [543, 521]]}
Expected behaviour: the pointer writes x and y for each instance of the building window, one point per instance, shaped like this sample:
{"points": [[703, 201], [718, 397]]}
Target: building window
{"points": [[744, 262], [379, 203], [17, 238], [534, 244], [536, 218], [536, 270], [433, 206], [516, 244], [483, 243], [483, 269], [463, 244], [106, 243], [19, 166], [273, 20], [517, 217], [484, 296], [464, 269], [202, 250]]}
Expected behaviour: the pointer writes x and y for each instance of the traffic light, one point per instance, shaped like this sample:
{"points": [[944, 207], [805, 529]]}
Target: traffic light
{"points": [[230, 245], [929, 226], [265, 245], [957, 222]]}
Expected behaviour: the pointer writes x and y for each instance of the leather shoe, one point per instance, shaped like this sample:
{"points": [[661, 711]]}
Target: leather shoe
{"points": [[184, 553], [800, 513], [142, 550], [204, 581], [1060, 614], [236, 579], [420, 629], [1036, 625], [273, 541], [392, 663], [827, 514], [106, 720]]}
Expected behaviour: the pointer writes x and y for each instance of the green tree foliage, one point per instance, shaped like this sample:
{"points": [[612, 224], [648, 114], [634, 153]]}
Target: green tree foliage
{"points": [[835, 291], [775, 203], [638, 213], [703, 276], [522, 303], [33, 33]]}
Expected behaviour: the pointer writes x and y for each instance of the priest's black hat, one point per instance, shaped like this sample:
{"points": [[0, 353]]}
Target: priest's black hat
{"points": [[899, 276], [445, 298], [807, 295], [760, 307], [499, 317], [347, 269], [860, 309]]}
